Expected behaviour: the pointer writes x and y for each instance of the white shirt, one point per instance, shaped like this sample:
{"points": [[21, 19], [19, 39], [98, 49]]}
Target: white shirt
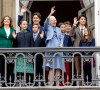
{"points": [[35, 35], [83, 29], [7, 32]]}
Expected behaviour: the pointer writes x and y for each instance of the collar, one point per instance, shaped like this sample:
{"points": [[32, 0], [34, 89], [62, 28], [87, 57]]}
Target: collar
{"points": [[36, 33], [23, 31], [82, 28]]}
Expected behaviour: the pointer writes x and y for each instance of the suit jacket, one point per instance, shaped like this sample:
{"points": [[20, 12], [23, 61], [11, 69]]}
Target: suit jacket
{"points": [[4, 41], [39, 42], [24, 39], [67, 41], [50, 32], [76, 33]]}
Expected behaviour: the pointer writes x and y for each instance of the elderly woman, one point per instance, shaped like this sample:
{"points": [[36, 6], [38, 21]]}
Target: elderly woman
{"points": [[6, 41], [53, 39]]}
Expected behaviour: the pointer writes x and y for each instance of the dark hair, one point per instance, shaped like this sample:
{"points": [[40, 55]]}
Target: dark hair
{"points": [[2, 22], [68, 22], [38, 14], [21, 23], [36, 24], [61, 23], [90, 36], [83, 15]]}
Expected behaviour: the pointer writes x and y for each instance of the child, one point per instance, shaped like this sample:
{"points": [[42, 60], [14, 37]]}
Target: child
{"points": [[24, 39], [66, 41], [38, 42], [87, 41]]}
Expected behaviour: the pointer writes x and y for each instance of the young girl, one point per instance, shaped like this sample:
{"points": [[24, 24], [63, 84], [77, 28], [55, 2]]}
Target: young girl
{"points": [[24, 39], [87, 41]]}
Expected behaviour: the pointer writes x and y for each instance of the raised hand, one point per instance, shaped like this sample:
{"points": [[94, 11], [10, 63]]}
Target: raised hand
{"points": [[61, 45], [52, 11], [14, 35], [75, 20], [23, 9], [42, 35]]}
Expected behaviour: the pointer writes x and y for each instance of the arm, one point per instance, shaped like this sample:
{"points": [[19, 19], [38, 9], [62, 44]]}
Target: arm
{"points": [[69, 42], [72, 32], [32, 45], [20, 16], [93, 42], [46, 23]]}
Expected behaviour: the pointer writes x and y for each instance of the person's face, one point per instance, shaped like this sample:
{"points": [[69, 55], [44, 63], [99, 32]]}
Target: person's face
{"points": [[36, 19], [68, 27], [6, 21], [35, 28], [23, 25], [82, 21], [62, 27], [53, 21], [86, 32]]}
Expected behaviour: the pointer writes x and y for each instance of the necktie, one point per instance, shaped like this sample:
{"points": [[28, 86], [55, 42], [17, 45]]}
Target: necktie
{"points": [[34, 37], [81, 31]]}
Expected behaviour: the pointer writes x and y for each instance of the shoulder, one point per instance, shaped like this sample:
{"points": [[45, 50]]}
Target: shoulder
{"points": [[29, 33], [58, 29], [13, 29], [77, 28]]}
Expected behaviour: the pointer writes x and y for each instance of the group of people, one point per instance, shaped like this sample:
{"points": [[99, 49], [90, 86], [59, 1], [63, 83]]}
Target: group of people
{"points": [[34, 35]]}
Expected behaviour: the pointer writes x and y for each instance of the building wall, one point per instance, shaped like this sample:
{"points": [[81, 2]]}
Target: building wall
{"points": [[7, 7]]}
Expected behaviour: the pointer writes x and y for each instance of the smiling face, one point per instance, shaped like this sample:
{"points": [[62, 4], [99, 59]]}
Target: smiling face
{"points": [[82, 20], [68, 27], [35, 28], [6, 21], [23, 25], [52, 21], [62, 27], [36, 19]]}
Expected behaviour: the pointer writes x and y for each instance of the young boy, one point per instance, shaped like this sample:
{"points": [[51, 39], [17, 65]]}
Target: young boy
{"points": [[38, 42]]}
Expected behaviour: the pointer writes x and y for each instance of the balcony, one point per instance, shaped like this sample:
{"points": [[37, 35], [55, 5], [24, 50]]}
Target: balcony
{"points": [[67, 80]]}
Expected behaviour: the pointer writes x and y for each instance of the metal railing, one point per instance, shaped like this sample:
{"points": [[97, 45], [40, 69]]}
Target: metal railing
{"points": [[26, 79]]}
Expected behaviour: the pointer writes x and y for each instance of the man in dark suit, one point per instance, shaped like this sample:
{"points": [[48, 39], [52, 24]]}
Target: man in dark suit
{"points": [[78, 33]]}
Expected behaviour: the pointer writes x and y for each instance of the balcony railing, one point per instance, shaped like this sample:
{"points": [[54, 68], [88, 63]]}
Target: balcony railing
{"points": [[67, 78]]}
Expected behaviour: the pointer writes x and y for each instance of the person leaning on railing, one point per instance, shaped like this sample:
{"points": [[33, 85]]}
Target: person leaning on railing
{"points": [[6, 41], [87, 41]]}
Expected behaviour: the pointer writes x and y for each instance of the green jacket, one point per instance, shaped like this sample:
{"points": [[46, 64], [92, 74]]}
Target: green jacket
{"points": [[4, 41]]}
